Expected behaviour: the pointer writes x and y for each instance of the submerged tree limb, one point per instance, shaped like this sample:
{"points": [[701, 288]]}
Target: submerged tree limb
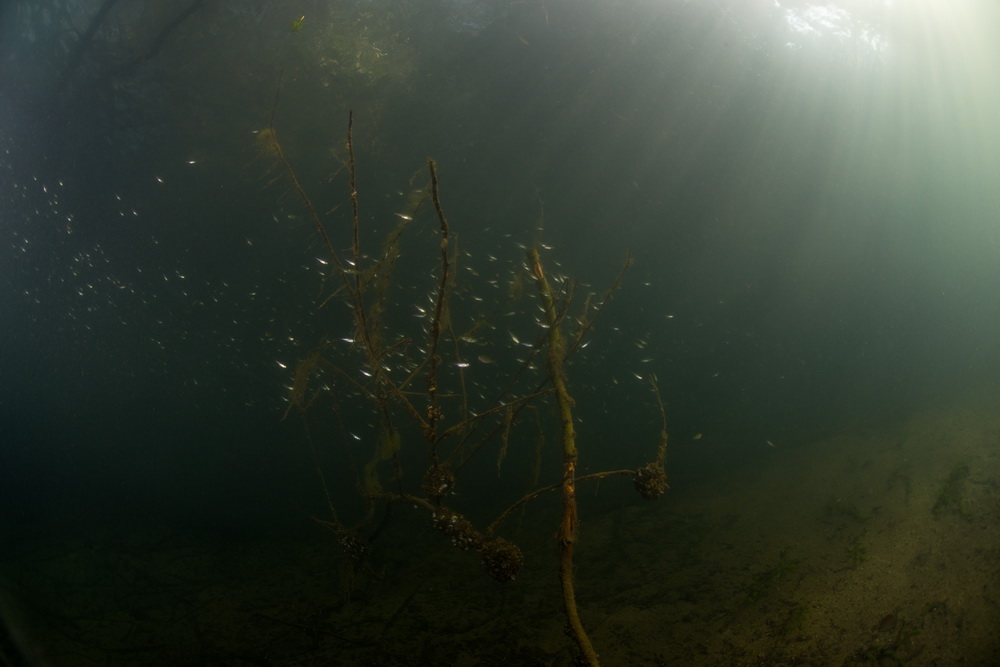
{"points": [[268, 140], [554, 487], [389, 376], [567, 528], [84, 42], [434, 413]]}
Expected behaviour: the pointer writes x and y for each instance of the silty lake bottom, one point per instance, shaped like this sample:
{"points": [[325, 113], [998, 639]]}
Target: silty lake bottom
{"points": [[876, 547]]}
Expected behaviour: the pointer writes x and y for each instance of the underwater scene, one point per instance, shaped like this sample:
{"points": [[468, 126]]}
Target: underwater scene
{"points": [[491, 332]]}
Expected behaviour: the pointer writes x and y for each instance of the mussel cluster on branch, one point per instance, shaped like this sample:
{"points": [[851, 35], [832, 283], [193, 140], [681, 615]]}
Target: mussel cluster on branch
{"points": [[503, 560], [355, 546], [438, 481], [650, 481], [462, 533]]}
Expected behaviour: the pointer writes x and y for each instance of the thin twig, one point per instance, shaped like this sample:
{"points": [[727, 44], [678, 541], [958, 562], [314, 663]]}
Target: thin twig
{"points": [[434, 413]]}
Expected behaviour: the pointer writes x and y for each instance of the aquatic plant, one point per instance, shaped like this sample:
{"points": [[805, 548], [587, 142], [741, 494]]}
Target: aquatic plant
{"points": [[857, 552], [886, 648], [900, 477], [796, 621], [837, 510], [950, 495], [760, 586]]}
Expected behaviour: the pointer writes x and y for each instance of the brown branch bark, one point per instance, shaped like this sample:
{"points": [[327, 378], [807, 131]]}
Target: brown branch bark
{"points": [[567, 528], [433, 407]]}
